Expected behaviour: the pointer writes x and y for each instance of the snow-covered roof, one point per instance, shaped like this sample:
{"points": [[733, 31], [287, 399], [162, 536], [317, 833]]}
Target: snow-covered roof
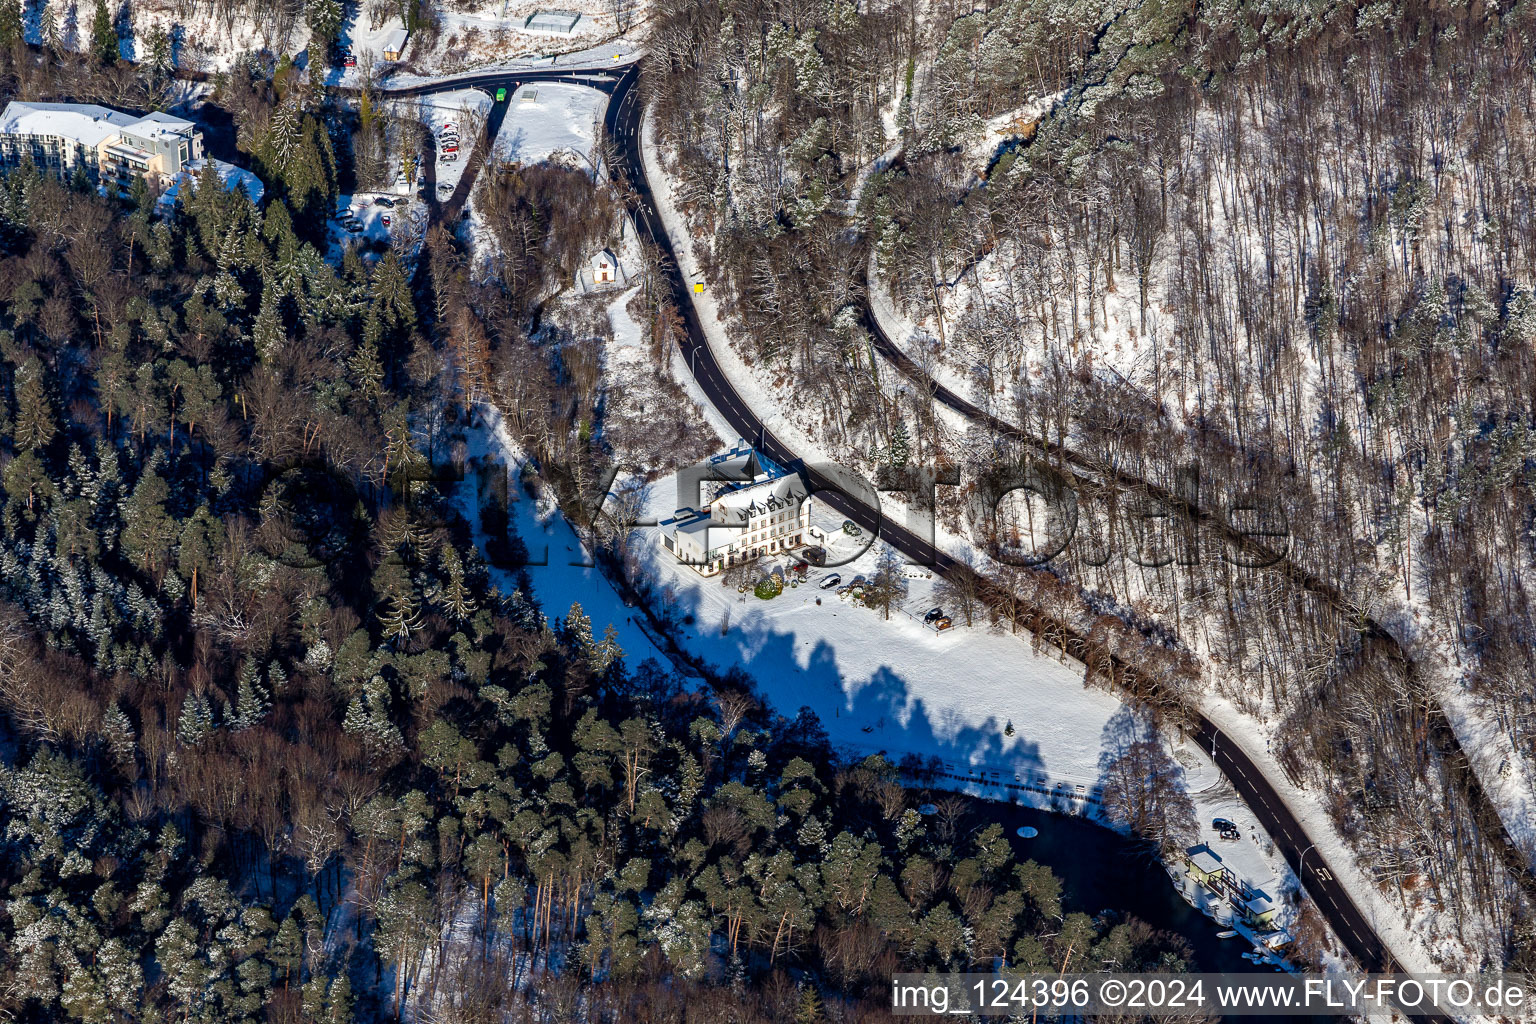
{"points": [[394, 40], [86, 123], [552, 22], [1204, 860], [604, 258], [156, 124], [698, 525], [1259, 904], [771, 495]]}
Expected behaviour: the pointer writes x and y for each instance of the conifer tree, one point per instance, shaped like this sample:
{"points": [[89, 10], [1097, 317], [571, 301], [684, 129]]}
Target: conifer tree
{"points": [[367, 371], [117, 732], [196, 719], [148, 530], [325, 18], [252, 702], [453, 594], [267, 333], [338, 1001], [35, 423], [578, 630], [10, 24], [104, 41]]}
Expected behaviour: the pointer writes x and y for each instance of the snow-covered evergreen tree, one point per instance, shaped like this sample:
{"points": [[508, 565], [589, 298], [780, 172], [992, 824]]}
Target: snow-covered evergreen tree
{"points": [[117, 732], [578, 629], [267, 332], [368, 717], [899, 452], [252, 702], [196, 719]]}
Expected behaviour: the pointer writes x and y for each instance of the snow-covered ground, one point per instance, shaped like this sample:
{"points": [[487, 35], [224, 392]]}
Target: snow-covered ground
{"points": [[1416, 935], [233, 178], [1505, 775], [891, 685], [1403, 935], [611, 55], [407, 221], [559, 569], [466, 109], [551, 121]]}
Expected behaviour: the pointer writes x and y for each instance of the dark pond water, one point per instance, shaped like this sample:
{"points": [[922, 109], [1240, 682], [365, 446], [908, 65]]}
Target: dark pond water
{"points": [[1102, 870]]}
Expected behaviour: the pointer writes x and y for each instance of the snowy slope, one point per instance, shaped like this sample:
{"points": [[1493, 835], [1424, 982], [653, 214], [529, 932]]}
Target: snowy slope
{"points": [[551, 121]]}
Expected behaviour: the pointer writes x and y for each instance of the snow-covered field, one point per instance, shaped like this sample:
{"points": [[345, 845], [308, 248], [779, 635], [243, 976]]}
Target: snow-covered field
{"points": [[891, 685], [551, 121]]}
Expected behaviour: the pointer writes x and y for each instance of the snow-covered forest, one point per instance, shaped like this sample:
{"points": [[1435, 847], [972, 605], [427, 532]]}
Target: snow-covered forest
{"points": [[277, 743], [1267, 262]]}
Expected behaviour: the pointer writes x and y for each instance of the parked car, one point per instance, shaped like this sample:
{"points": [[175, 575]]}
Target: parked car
{"points": [[386, 220], [933, 613], [831, 581], [942, 623], [444, 189], [501, 95], [1222, 824], [450, 157], [348, 60]]}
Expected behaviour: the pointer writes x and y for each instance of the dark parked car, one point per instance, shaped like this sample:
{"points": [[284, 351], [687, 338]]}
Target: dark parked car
{"points": [[384, 201], [831, 581]]}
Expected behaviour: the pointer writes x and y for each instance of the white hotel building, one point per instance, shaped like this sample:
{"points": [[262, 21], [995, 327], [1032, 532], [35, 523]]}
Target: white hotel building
{"points": [[114, 148], [766, 512]]}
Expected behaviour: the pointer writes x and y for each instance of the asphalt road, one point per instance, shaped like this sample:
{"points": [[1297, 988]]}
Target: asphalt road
{"points": [[1352, 927], [622, 124], [451, 207]]}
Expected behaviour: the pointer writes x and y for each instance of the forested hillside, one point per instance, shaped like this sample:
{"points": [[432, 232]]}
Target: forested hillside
{"points": [[275, 748], [1280, 250]]}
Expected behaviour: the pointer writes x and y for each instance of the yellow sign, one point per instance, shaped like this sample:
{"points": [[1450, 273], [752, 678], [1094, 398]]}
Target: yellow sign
{"points": [[698, 289]]}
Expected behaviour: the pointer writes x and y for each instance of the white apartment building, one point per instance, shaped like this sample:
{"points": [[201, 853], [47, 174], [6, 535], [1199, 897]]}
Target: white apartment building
{"points": [[114, 148], [767, 512]]}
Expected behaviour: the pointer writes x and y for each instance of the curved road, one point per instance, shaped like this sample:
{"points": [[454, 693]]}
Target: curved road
{"points": [[622, 123], [1353, 928]]}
